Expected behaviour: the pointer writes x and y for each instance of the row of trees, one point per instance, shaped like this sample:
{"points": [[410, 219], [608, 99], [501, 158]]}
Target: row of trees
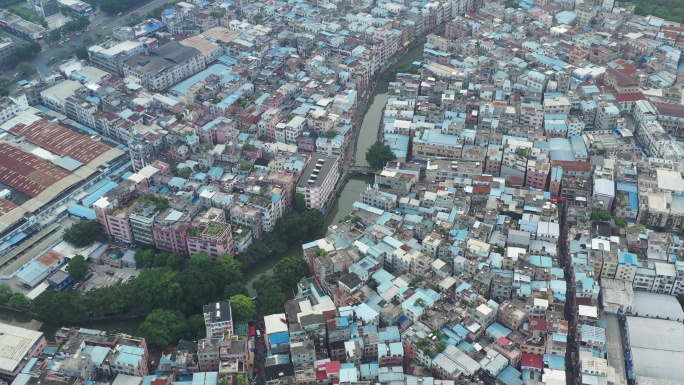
{"points": [[14, 299], [74, 25], [175, 289], [163, 328], [290, 229], [186, 291], [23, 52], [28, 15]]}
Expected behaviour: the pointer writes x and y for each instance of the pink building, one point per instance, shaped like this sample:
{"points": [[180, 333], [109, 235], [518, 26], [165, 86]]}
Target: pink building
{"points": [[119, 226], [306, 144], [555, 181], [508, 349], [537, 175], [170, 231], [241, 215], [213, 238], [163, 167], [23, 344]]}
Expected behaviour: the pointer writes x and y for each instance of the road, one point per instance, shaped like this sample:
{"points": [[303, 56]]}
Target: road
{"points": [[96, 34]]}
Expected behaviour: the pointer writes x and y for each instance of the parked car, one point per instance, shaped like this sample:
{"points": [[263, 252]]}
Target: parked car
{"points": [[109, 272]]}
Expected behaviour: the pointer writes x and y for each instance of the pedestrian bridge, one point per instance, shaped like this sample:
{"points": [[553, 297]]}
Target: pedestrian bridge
{"points": [[361, 169]]}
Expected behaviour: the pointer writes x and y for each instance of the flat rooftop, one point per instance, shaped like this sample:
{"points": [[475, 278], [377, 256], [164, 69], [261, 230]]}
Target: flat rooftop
{"points": [[657, 347], [15, 344]]}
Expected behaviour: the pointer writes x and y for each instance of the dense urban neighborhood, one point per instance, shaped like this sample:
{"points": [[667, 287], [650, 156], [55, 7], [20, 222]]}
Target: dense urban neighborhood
{"points": [[297, 192]]}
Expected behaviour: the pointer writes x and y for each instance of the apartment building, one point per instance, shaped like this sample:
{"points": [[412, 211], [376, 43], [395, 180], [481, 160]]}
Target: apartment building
{"points": [[218, 320], [165, 66], [318, 180]]}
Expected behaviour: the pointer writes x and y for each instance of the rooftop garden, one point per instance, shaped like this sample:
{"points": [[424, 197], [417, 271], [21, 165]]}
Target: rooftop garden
{"points": [[161, 203], [193, 232], [249, 147], [214, 229]]}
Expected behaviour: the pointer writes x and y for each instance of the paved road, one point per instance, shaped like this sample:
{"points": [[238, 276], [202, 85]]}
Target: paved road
{"points": [[616, 352], [97, 21]]}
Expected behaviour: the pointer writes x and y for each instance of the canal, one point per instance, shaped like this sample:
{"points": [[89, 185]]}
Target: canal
{"points": [[371, 120], [357, 183], [341, 208]]}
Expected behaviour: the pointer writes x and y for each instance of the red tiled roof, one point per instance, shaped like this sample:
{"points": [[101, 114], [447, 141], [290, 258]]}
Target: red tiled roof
{"points": [[481, 190], [538, 324], [332, 367], [572, 165], [633, 97], [61, 140], [503, 341], [27, 172], [531, 361], [622, 78], [6, 206], [50, 258], [667, 109]]}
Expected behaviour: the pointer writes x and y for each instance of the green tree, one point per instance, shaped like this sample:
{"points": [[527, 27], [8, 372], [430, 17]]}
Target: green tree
{"points": [[621, 222], [174, 261], [179, 117], [82, 53], [196, 329], [428, 352], [290, 270], [4, 91], [77, 267], [441, 345], [600, 215], [300, 201], [59, 305], [242, 307], [19, 301], [201, 261], [235, 288], [64, 9], [144, 257], [5, 293], [184, 173], [26, 68], [227, 270], [378, 155], [270, 295], [161, 259], [83, 233], [163, 328], [403, 69]]}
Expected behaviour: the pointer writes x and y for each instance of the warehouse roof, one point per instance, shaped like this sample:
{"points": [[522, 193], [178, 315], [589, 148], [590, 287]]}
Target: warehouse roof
{"points": [[15, 344], [657, 347]]}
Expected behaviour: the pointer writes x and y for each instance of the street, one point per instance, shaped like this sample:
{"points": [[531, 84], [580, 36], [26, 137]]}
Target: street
{"points": [[96, 34]]}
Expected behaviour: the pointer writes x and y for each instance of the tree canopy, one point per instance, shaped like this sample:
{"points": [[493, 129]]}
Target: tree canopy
{"points": [[290, 270], [169, 286], [77, 267], [600, 215], [83, 233], [19, 301], [163, 328], [23, 52], [5, 293], [378, 155], [242, 307], [270, 295]]}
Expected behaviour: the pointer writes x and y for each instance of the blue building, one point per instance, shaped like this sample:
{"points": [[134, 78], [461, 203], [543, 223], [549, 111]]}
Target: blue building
{"points": [[60, 280]]}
